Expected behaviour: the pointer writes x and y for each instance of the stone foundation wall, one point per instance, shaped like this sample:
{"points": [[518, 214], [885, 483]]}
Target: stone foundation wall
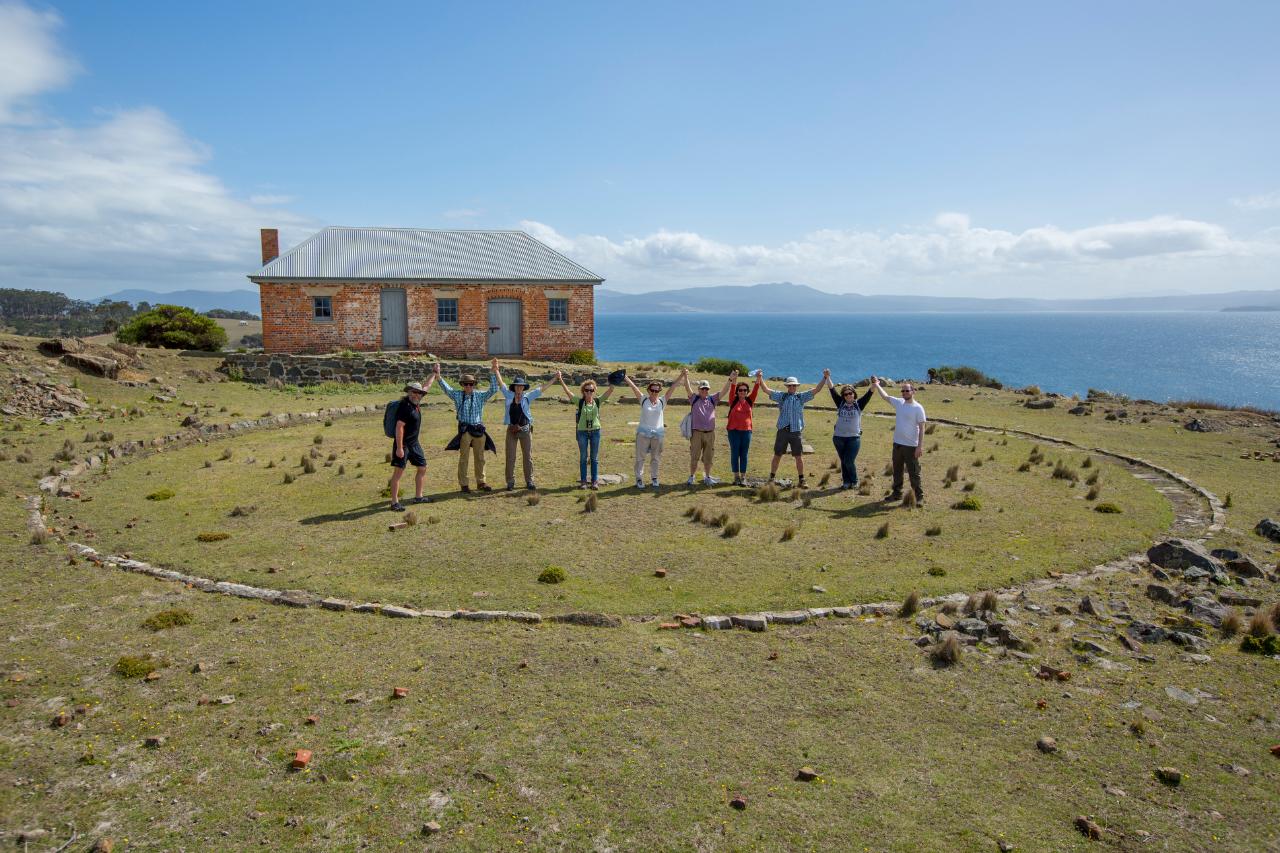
{"points": [[261, 368]]}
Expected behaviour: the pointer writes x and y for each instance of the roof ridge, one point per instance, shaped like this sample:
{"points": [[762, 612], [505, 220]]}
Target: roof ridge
{"points": [[428, 230]]}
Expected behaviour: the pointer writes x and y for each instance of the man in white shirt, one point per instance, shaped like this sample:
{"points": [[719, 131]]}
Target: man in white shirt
{"points": [[908, 438]]}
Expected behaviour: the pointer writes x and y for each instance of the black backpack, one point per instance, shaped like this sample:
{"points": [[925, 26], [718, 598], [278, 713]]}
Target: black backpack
{"points": [[389, 417]]}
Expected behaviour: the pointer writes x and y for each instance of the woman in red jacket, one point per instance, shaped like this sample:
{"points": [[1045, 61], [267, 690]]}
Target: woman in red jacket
{"points": [[741, 401]]}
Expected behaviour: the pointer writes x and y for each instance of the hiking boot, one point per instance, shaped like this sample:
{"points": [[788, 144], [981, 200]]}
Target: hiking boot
{"points": [[511, 487], [895, 496], [800, 483], [465, 489], [396, 507], [485, 487], [531, 486], [639, 483], [424, 499]]}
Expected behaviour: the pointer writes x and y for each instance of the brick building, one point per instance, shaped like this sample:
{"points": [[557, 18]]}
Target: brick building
{"points": [[458, 294]]}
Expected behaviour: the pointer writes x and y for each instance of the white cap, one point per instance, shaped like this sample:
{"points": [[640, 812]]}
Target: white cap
{"points": [[791, 380], [702, 383]]}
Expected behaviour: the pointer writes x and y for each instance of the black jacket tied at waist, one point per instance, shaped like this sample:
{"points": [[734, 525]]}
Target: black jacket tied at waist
{"points": [[475, 430]]}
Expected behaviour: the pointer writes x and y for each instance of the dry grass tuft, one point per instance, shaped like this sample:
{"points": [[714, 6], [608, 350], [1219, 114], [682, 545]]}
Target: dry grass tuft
{"points": [[1087, 463], [950, 608], [826, 478], [226, 454], [1062, 472], [732, 529], [533, 499], [864, 488], [972, 603], [882, 532], [411, 518], [789, 532], [1024, 467], [947, 651], [243, 511], [1259, 624], [936, 530], [1275, 616], [1232, 623], [969, 487], [990, 602], [1092, 494], [308, 466], [592, 503], [910, 605], [1093, 478], [288, 478], [909, 499], [767, 493]]}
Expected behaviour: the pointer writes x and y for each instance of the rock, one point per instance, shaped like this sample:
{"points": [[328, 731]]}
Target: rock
{"points": [[1162, 594], [93, 365], [1232, 598], [1268, 529], [1205, 609], [1047, 745], [690, 621], [1200, 425], [752, 622], [716, 623], [1225, 554], [399, 612], [1190, 657], [1146, 632], [1236, 769], [1171, 776], [659, 573], [226, 700], [431, 827], [155, 741], [1004, 846], [191, 421], [1196, 574], [739, 803], [1130, 643], [55, 347], [1040, 404], [806, 774], [1188, 640], [818, 589], [591, 620], [1114, 791], [60, 720], [1088, 828], [1078, 410], [1244, 566], [1084, 644], [971, 626], [336, 604], [944, 621], [788, 617], [1182, 554], [1181, 695], [1092, 607]]}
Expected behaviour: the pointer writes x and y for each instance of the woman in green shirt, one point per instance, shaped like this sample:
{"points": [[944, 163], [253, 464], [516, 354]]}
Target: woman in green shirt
{"points": [[588, 431]]}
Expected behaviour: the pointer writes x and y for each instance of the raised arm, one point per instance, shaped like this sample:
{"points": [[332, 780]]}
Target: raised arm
{"points": [[684, 378], [606, 395], [444, 385], [635, 389], [567, 392], [724, 392], [825, 383], [542, 389], [875, 383], [865, 398], [671, 389], [497, 375], [760, 382]]}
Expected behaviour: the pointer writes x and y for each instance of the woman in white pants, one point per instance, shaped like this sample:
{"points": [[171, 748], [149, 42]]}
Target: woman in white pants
{"points": [[652, 428]]}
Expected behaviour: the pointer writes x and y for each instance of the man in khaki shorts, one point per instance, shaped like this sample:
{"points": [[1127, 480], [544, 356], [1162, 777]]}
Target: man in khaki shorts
{"points": [[702, 424]]}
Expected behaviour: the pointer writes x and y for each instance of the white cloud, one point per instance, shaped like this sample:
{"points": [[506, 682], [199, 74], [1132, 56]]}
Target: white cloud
{"points": [[949, 251], [30, 60], [125, 201], [1263, 201]]}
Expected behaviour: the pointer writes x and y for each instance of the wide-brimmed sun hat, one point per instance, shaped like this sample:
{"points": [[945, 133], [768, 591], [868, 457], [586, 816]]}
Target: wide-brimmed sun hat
{"points": [[415, 386], [791, 380], [467, 379], [520, 380]]}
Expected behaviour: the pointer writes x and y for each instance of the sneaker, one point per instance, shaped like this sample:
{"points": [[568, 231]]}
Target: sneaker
{"points": [[800, 483], [690, 481], [511, 487], [531, 486], [654, 482], [397, 507], [582, 485], [424, 499], [639, 483], [595, 486], [710, 481], [465, 489]]}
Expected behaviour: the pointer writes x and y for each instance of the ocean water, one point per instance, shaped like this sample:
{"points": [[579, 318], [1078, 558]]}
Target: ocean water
{"points": [[1224, 356]]}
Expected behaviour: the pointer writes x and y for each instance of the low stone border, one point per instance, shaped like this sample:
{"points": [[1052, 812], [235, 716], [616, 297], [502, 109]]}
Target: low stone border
{"points": [[751, 621]]}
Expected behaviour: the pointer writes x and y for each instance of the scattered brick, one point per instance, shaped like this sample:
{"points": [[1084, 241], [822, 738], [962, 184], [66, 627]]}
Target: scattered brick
{"points": [[399, 692], [301, 759]]}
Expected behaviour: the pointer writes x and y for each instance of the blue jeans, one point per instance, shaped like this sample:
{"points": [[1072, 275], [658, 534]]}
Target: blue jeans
{"points": [[739, 444], [848, 448], [588, 440]]}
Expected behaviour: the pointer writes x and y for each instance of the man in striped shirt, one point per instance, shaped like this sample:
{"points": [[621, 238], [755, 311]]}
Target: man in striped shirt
{"points": [[472, 439]]}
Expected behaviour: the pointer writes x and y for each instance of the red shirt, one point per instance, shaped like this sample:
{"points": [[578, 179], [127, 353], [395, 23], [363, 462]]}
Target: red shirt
{"points": [[740, 409]]}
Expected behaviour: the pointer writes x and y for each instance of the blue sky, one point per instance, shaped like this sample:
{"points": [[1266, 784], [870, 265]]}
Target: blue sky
{"points": [[961, 148]]}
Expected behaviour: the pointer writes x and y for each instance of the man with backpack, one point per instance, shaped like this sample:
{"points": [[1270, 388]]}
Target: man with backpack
{"points": [[472, 438], [402, 420]]}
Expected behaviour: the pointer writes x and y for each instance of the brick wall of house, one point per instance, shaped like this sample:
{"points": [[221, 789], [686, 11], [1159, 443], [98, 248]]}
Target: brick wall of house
{"points": [[289, 325]]}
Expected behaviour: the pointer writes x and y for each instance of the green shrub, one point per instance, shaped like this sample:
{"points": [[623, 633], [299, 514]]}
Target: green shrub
{"points": [[936, 571], [1106, 508], [720, 366], [963, 375], [969, 502], [674, 365], [1261, 645], [136, 666], [581, 356], [173, 327], [936, 530], [161, 495], [212, 537], [167, 619], [553, 574]]}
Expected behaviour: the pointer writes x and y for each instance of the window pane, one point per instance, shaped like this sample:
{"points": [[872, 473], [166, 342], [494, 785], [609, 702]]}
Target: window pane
{"points": [[323, 307], [558, 310], [446, 311]]}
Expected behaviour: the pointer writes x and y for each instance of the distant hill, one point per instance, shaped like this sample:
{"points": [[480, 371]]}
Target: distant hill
{"points": [[197, 300], [785, 297]]}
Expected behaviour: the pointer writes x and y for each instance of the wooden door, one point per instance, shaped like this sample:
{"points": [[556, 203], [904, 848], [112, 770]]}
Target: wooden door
{"points": [[504, 327], [395, 319]]}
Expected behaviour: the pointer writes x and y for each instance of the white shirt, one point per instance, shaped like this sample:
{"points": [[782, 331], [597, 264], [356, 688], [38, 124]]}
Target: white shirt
{"points": [[906, 423], [651, 420]]}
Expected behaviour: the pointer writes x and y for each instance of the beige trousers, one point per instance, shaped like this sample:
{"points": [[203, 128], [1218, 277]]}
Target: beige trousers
{"points": [[470, 446]]}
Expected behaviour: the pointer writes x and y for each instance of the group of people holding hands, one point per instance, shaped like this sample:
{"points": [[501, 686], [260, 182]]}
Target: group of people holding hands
{"points": [[698, 426]]}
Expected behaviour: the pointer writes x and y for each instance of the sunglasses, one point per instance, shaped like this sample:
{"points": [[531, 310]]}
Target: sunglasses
{"points": [[655, 389], [468, 384], [849, 394]]}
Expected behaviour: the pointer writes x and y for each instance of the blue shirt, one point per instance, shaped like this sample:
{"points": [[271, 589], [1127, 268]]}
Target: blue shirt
{"points": [[470, 407], [530, 395], [791, 408]]}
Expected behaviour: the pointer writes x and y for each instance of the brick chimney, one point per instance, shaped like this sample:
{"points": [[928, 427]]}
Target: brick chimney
{"points": [[270, 245]]}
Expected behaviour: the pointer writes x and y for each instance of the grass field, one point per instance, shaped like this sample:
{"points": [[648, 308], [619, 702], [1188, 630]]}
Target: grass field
{"points": [[567, 738]]}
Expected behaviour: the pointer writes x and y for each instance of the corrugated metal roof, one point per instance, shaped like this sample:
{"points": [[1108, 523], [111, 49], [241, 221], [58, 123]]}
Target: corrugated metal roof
{"points": [[412, 253]]}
